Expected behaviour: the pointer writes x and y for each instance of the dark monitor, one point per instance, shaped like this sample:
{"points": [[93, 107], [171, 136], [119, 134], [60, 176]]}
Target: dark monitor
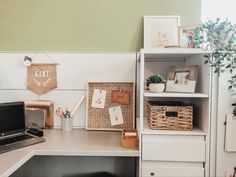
{"points": [[12, 118]]}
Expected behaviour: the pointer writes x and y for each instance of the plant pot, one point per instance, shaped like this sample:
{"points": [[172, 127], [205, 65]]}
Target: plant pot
{"points": [[157, 88]]}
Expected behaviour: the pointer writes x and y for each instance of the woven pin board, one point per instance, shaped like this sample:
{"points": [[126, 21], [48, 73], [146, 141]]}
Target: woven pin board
{"points": [[98, 119]]}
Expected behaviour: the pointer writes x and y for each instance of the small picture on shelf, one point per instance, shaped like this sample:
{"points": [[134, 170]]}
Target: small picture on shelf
{"points": [[182, 79], [190, 36]]}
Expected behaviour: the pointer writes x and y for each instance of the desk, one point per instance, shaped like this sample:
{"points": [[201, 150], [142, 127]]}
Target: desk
{"points": [[77, 142]]}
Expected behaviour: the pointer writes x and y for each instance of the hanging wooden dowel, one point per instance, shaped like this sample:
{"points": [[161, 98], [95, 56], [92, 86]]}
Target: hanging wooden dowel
{"points": [[75, 109]]}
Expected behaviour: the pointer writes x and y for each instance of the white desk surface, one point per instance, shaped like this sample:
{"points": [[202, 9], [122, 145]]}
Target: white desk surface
{"points": [[77, 142]]}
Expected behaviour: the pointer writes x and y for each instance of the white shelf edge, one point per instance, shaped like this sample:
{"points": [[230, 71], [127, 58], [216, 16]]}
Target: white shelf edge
{"points": [[175, 51], [148, 131], [194, 132], [179, 95]]}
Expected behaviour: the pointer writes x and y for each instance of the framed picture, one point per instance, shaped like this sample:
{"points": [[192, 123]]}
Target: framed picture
{"points": [[190, 36], [161, 31], [182, 79]]}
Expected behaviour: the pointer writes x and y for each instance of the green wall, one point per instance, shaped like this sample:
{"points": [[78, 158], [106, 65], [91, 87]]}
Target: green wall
{"points": [[84, 25]]}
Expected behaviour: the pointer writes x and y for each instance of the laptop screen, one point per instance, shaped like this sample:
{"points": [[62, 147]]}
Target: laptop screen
{"points": [[12, 118]]}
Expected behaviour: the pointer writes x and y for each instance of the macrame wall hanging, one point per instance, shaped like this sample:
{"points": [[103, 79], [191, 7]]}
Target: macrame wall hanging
{"points": [[42, 77]]}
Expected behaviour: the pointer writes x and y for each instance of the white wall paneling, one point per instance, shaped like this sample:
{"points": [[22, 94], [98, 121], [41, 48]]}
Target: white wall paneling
{"points": [[230, 132], [225, 161], [73, 73]]}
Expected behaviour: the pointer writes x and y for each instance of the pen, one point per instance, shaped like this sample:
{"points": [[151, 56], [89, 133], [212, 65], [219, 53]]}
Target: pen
{"points": [[63, 113]]}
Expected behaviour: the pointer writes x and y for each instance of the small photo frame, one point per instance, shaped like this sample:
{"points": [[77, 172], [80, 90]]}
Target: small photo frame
{"points": [[161, 31], [182, 79], [190, 36]]}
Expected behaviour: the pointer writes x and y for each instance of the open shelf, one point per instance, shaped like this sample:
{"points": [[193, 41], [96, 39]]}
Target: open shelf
{"points": [[176, 95], [148, 131]]}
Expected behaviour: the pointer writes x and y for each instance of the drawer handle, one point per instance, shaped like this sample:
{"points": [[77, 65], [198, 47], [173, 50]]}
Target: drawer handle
{"points": [[171, 114], [152, 174]]}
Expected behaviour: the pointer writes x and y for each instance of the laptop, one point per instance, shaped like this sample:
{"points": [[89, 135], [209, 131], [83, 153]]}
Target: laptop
{"points": [[12, 127]]}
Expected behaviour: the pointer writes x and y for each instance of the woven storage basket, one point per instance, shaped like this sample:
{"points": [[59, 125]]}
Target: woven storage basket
{"points": [[169, 115]]}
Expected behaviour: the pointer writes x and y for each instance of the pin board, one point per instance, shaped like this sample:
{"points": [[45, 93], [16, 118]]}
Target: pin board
{"points": [[110, 106]]}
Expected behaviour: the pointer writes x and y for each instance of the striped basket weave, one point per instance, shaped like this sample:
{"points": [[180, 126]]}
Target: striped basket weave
{"points": [[169, 116]]}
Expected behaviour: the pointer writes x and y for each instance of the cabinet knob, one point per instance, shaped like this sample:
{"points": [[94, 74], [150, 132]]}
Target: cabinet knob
{"points": [[152, 174]]}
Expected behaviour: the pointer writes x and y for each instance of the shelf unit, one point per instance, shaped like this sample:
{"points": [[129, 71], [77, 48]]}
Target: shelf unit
{"points": [[174, 144]]}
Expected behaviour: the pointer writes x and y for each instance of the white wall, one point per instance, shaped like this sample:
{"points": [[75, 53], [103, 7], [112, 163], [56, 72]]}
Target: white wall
{"points": [[73, 73]]}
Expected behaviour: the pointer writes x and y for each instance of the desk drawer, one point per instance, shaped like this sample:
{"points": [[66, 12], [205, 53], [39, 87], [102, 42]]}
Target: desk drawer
{"points": [[172, 169], [173, 148]]}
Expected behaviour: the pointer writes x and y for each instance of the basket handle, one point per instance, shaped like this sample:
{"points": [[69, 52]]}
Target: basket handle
{"points": [[171, 114]]}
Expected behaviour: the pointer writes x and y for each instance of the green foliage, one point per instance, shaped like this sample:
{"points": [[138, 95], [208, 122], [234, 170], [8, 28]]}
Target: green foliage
{"points": [[234, 110], [219, 34], [220, 37], [198, 37], [157, 79], [27, 58]]}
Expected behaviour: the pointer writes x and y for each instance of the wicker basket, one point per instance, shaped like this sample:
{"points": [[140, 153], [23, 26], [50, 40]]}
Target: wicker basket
{"points": [[169, 115]]}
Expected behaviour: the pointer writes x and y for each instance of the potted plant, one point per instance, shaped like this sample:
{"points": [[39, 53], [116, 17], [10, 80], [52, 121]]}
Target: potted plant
{"points": [[27, 61], [156, 83]]}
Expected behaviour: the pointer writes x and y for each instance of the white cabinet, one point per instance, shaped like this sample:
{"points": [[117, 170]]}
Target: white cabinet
{"points": [[173, 148], [175, 153], [172, 169]]}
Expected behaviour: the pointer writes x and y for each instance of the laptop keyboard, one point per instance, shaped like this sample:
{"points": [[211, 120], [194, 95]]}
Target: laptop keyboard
{"points": [[14, 139]]}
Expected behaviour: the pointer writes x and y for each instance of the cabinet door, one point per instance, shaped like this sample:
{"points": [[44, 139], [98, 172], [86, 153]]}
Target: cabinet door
{"points": [[176, 169], [173, 148]]}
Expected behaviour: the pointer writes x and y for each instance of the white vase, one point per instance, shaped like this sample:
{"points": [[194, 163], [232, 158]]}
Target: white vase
{"points": [[157, 88]]}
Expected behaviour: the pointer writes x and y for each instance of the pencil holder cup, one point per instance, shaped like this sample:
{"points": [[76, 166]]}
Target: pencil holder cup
{"points": [[67, 124]]}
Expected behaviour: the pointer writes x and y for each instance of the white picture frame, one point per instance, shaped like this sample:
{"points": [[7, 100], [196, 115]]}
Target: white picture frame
{"points": [[161, 31]]}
